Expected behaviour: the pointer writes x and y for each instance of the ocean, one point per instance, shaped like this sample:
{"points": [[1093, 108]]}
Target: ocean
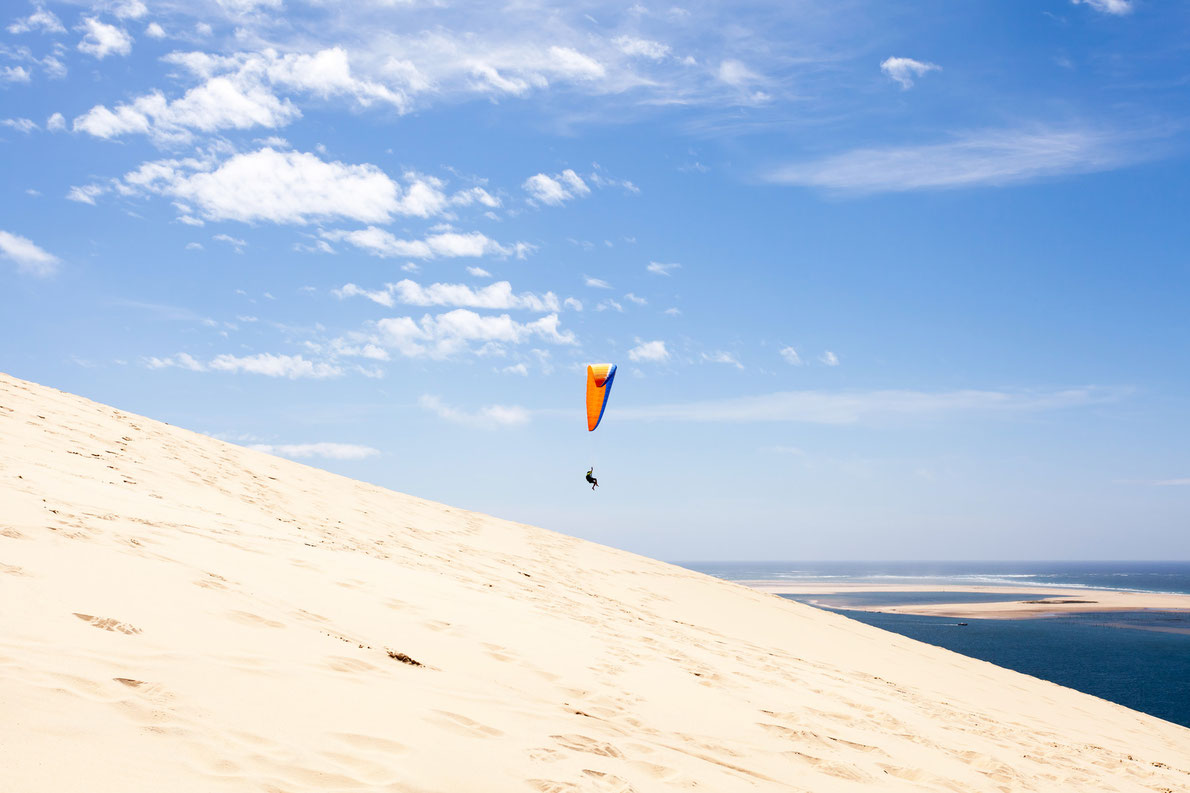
{"points": [[1138, 659]]}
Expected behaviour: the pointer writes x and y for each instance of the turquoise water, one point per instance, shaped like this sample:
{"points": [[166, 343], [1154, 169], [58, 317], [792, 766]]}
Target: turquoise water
{"points": [[1138, 659]]}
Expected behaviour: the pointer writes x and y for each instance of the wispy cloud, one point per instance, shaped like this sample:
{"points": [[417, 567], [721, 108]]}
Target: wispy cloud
{"points": [[461, 331], [557, 189], [1116, 7], [494, 296], [30, 259], [102, 39], [40, 19], [1173, 482], [488, 417], [789, 354], [661, 268], [904, 70], [654, 351], [292, 367], [820, 407], [829, 358], [330, 451], [446, 244], [990, 157], [722, 357]]}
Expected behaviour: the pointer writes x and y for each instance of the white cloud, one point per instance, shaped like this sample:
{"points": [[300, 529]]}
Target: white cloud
{"points": [[475, 195], [1172, 482], [450, 244], [238, 92], [181, 360], [903, 70], [276, 186], [494, 296], [331, 451], [25, 125], [455, 332], [102, 40], [985, 158], [819, 407], [572, 303], [130, 9], [649, 351], [29, 258], [557, 189], [86, 194], [236, 243], [382, 296], [325, 73], [596, 283], [248, 6], [478, 272], [660, 268], [673, 312], [155, 31], [791, 357], [15, 74], [519, 368], [290, 366], [42, 20], [829, 358], [722, 357], [217, 104], [55, 123], [640, 301], [490, 417], [641, 47], [736, 74], [54, 68], [1117, 7], [609, 305]]}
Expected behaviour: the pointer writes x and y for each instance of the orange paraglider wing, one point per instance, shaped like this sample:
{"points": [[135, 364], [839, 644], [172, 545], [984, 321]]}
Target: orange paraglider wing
{"points": [[599, 385]]}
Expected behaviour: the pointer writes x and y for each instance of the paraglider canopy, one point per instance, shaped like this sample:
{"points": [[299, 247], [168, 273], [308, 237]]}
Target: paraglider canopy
{"points": [[599, 386]]}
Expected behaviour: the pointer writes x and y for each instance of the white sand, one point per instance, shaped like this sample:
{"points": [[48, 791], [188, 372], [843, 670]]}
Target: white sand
{"points": [[182, 614]]}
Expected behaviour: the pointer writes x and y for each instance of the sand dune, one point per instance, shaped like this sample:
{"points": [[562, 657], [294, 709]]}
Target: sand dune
{"points": [[182, 614]]}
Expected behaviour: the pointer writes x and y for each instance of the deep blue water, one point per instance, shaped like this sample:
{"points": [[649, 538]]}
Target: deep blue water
{"points": [[1138, 659]]}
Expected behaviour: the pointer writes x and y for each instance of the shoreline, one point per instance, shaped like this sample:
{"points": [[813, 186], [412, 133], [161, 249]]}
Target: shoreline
{"points": [[1037, 601]]}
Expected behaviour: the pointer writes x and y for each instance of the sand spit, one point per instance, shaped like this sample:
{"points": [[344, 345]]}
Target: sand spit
{"points": [[1022, 602], [181, 614]]}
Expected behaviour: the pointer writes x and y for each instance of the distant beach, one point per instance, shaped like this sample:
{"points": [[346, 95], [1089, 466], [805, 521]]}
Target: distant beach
{"points": [[1120, 631]]}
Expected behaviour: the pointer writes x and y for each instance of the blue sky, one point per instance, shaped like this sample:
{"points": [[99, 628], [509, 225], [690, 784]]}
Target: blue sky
{"points": [[882, 280]]}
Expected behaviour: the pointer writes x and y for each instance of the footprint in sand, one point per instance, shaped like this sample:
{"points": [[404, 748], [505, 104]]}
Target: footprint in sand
{"points": [[107, 623], [581, 743], [248, 618], [553, 786], [830, 768], [607, 783], [370, 742], [463, 724]]}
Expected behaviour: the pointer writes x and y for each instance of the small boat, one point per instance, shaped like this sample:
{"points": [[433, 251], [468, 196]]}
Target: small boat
{"points": [[962, 624]]}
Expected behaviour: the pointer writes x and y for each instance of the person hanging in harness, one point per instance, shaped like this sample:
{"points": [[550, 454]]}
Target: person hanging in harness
{"points": [[591, 477]]}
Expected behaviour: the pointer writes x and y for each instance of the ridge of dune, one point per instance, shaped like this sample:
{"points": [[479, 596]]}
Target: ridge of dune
{"points": [[179, 613]]}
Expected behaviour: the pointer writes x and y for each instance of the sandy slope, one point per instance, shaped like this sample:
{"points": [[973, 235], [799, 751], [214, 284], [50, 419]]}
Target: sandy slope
{"points": [[182, 614]]}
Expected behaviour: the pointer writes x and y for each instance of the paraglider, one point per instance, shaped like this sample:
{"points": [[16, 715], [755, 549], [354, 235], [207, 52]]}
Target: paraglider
{"points": [[599, 387]]}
